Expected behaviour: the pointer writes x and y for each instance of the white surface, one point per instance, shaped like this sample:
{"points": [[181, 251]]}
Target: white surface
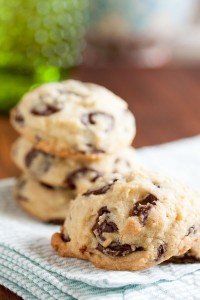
{"points": [[30, 267]]}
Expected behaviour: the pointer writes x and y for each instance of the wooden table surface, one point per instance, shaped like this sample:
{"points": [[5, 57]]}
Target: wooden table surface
{"points": [[166, 104]]}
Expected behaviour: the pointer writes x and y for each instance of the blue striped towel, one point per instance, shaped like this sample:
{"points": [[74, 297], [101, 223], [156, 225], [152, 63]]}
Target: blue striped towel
{"points": [[30, 267]]}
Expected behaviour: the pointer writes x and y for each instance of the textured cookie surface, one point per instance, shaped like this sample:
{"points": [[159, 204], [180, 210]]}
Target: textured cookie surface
{"points": [[191, 256], [130, 223], [76, 175], [73, 118], [44, 202]]}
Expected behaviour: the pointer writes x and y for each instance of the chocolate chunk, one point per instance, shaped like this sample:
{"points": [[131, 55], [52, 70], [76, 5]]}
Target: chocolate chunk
{"points": [[19, 118], [72, 177], [46, 111], [142, 208], [116, 249], [161, 250], [107, 226], [47, 186], [186, 258], [117, 160], [156, 184], [103, 226], [83, 249], [46, 163], [192, 230], [92, 118], [30, 156], [56, 221], [65, 238], [103, 210], [96, 151], [21, 198], [101, 190], [92, 150]]}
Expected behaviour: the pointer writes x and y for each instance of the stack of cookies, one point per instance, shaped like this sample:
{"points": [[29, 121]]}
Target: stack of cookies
{"points": [[76, 159], [72, 134]]}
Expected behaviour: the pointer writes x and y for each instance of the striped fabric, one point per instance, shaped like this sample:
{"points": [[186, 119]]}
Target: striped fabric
{"points": [[30, 268]]}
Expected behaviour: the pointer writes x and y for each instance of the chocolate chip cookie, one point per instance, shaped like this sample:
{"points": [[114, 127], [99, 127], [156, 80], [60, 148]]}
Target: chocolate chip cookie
{"points": [[42, 201], [77, 175], [130, 222], [72, 118]]}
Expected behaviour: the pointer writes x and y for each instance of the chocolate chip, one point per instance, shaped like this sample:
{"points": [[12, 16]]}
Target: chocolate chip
{"points": [[186, 258], [161, 250], [56, 221], [46, 111], [21, 198], [19, 118], [47, 186], [83, 249], [107, 226], [156, 184], [30, 156], [96, 151], [116, 249], [192, 230], [117, 160], [65, 238], [103, 210], [92, 150], [92, 118], [72, 177], [101, 190], [142, 208], [103, 226], [46, 163]]}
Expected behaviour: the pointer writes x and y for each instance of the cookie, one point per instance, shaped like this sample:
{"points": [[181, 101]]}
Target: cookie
{"points": [[130, 223], [75, 174], [44, 202], [191, 256], [72, 118]]}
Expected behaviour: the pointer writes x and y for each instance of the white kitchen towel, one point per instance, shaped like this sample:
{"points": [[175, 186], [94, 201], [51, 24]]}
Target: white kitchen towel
{"points": [[30, 267]]}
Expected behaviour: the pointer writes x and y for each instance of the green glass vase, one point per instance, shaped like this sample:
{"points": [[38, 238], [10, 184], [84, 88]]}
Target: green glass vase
{"points": [[40, 41]]}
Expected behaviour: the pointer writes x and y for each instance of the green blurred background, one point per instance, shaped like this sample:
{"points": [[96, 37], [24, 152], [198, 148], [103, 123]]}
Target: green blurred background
{"points": [[40, 41]]}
